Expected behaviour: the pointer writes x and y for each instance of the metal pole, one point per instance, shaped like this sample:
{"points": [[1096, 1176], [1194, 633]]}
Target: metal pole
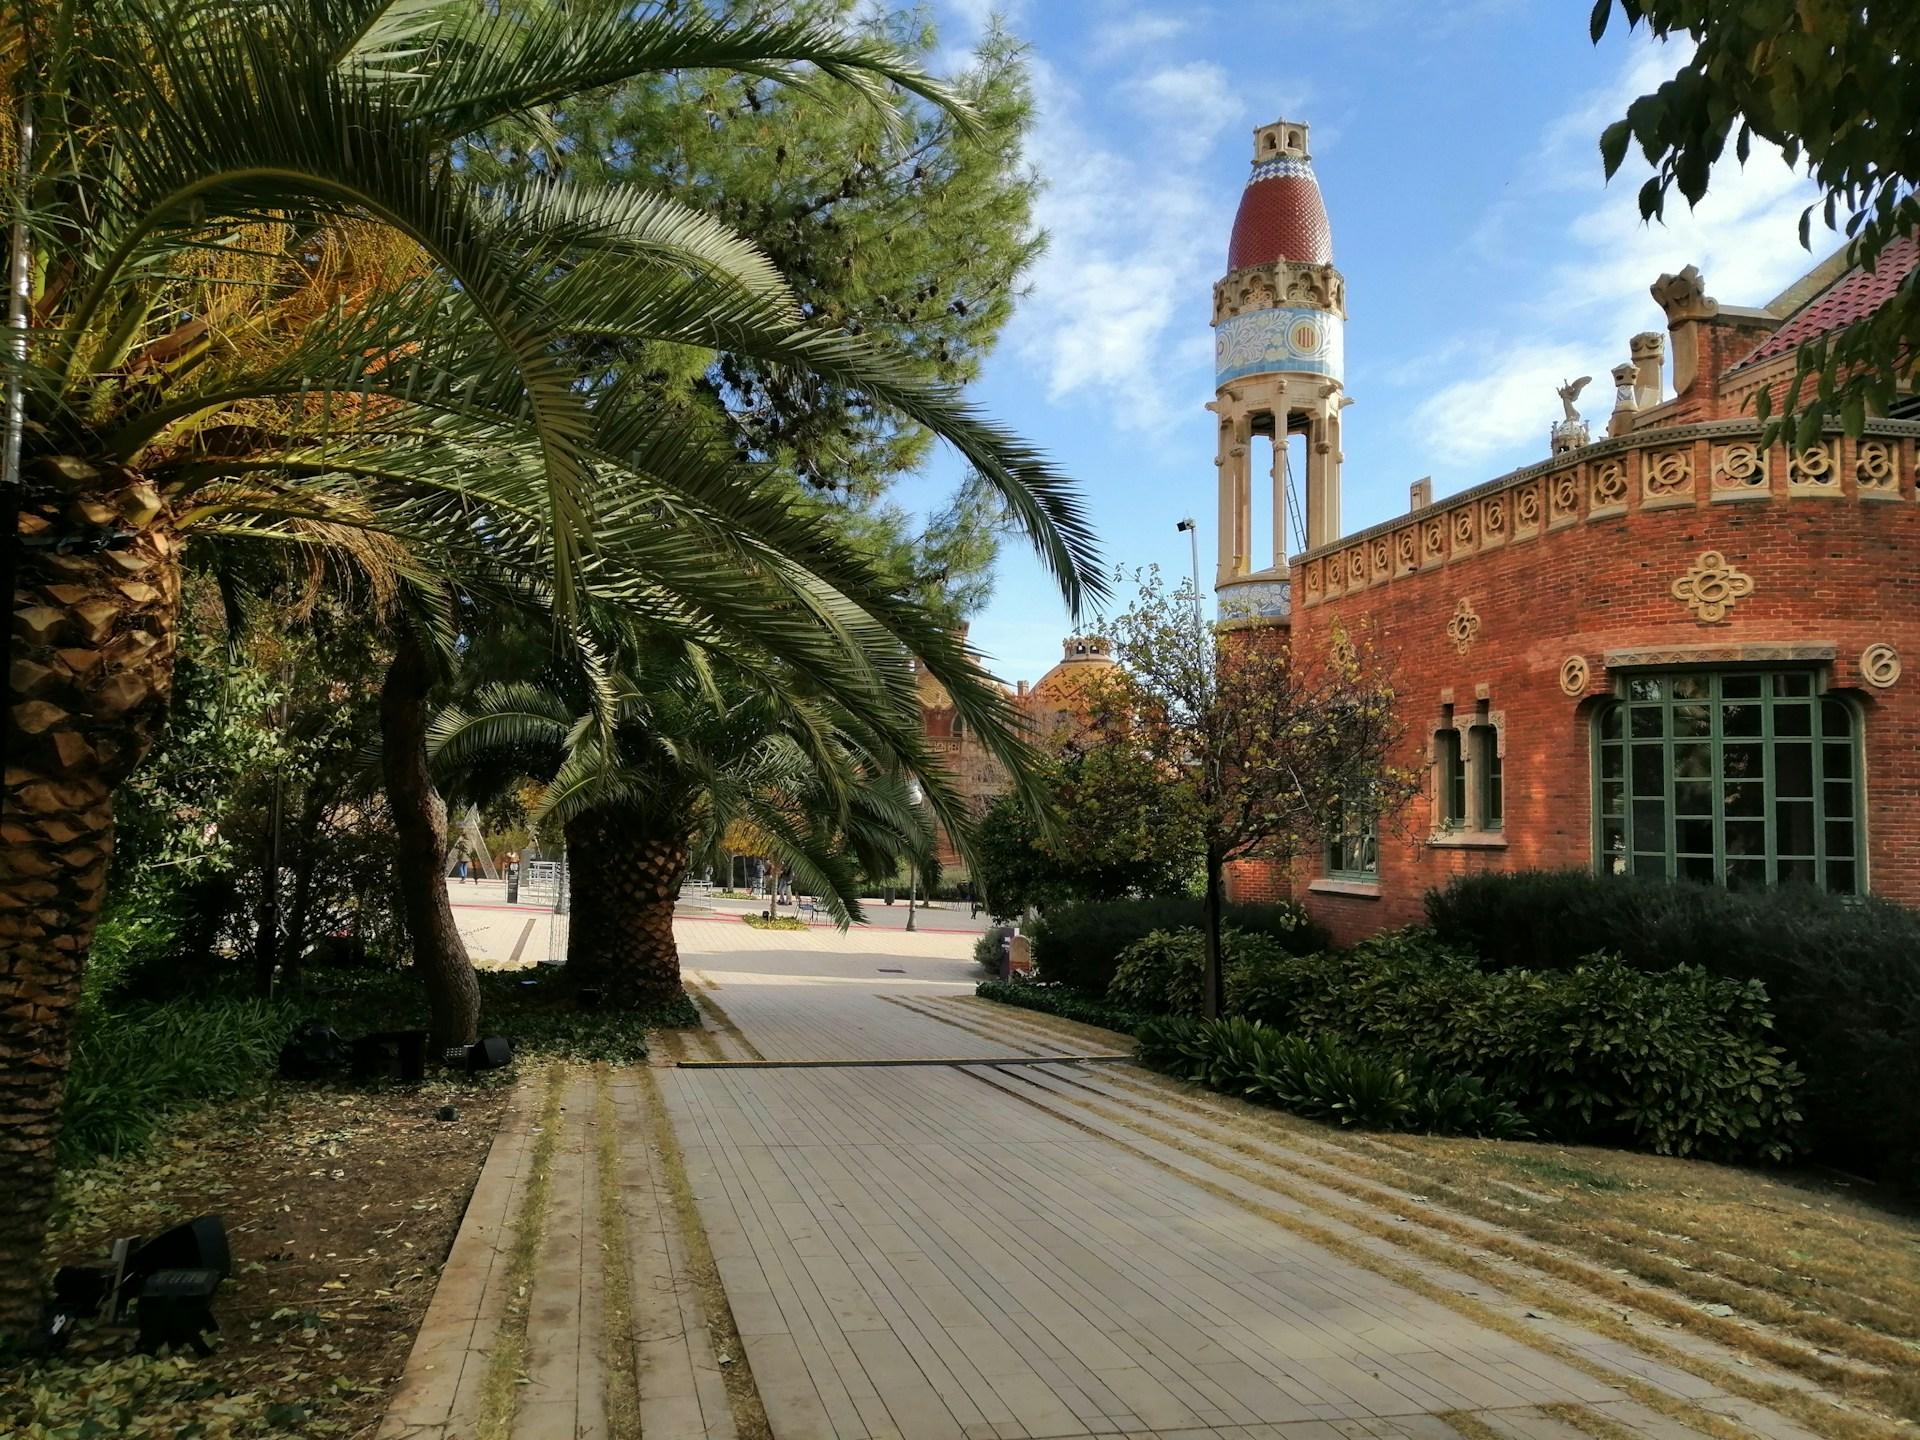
{"points": [[1193, 544]]}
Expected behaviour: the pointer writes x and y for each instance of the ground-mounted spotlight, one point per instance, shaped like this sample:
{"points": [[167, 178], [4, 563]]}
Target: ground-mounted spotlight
{"points": [[175, 1308], [200, 1244], [489, 1052], [391, 1055], [313, 1052]]}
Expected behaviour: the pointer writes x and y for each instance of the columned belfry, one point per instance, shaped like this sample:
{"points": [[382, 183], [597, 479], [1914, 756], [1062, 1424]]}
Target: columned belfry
{"points": [[1277, 318]]}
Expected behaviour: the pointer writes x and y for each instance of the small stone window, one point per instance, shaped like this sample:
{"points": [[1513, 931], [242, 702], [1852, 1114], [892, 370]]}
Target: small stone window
{"points": [[1450, 780], [1469, 780]]}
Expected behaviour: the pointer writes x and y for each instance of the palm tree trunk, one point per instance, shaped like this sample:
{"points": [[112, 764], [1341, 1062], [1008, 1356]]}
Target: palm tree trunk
{"points": [[625, 877], [96, 603], [420, 819]]}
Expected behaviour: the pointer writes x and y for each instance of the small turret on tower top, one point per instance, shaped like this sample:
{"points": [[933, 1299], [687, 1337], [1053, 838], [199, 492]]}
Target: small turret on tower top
{"points": [[1281, 138]]}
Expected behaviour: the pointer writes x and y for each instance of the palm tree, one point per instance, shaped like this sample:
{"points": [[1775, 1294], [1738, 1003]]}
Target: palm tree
{"points": [[264, 301], [647, 771]]}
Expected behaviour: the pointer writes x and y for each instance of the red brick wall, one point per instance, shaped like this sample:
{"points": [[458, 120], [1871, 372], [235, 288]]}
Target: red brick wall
{"points": [[1843, 571]]}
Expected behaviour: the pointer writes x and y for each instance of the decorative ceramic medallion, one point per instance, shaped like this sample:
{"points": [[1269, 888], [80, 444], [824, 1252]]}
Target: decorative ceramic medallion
{"points": [[1291, 339], [1574, 675], [1711, 588], [1464, 626], [1880, 664]]}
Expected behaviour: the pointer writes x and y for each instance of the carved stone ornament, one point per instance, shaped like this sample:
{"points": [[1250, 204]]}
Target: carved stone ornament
{"points": [[1876, 467], [1712, 587], [1464, 626], [1574, 675], [1740, 465], [1666, 474], [1880, 664], [1610, 482], [1814, 470], [1684, 296]]}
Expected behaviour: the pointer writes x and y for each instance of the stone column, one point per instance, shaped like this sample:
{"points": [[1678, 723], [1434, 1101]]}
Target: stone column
{"points": [[1223, 463], [1323, 479], [1277, 472]]}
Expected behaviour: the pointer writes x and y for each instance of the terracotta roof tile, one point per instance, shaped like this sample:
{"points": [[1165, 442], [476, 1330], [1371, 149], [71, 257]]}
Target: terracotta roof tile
{"points": [[1854, 296], [1281, 217]]}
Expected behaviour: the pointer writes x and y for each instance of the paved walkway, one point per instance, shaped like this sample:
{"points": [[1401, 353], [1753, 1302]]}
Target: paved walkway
{"points": [[1001, 1247]]}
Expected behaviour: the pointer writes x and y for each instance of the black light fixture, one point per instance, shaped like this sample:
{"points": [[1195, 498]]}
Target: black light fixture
{"points": [[490, 1052], [313, 1052], [175, 1308], [391, 1055]]}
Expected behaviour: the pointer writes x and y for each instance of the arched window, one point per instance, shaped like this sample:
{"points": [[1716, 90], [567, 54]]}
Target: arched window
{"points": [[1746, 779]]}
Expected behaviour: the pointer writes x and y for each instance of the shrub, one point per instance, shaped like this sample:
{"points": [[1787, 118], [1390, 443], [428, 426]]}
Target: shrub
{"points": [[1323, 1078], [1681, 1063], [137, 1065], [1163, 973], [1059, 1000], [986, 950], [1842, 976], [1080, 944]]}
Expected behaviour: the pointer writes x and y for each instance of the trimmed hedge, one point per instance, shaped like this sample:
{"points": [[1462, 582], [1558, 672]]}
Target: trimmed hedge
{"points": [[1080, 944], [1058, 1000], [1842, 976], [1324, 1078], [1681, 1063]]}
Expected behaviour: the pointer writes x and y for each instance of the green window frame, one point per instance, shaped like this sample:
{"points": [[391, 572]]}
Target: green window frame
{"points": [[1483, 742], [1747, 779], [1353, 849], [1452, 778]]}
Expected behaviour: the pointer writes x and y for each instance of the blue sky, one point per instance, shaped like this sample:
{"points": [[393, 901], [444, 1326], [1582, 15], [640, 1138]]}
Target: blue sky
{"points": [[1486, 260]]}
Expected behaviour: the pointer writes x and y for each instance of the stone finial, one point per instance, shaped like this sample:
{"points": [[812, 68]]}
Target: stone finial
{"points": [[1420, 494], [1649, 351], [1684, 297], [1626, 400]]}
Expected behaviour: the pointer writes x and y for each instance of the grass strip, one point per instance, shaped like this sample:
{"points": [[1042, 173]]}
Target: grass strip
{"points": [[1590, 1422], [618, 1349], [1466, 1423], [723, 1022], [743, 1396], [1833, 1421], [506, 1360]]}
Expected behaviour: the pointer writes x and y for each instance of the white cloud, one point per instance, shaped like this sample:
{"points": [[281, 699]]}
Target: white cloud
{"points": [[1581, 259], [1135, 234], [1126, 35]]}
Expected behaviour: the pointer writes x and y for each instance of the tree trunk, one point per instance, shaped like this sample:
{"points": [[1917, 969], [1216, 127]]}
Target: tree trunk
{"points": [[625, 879], [1210, 1000], [96, 603], [420, 819], [300, 914]]}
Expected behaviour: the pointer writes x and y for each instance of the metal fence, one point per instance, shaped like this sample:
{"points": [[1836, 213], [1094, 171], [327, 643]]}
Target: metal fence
{"points": [[542, 882]]}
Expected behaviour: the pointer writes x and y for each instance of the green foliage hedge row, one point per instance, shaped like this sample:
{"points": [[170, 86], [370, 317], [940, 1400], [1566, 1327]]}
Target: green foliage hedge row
{"points": [[1842, 976], [136, 1065], [1080, 944], [1325, 1078], [1681, 1063], [1059, 1000]]}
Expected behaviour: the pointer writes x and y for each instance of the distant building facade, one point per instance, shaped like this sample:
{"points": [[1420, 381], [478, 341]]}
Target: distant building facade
{"points": [[1663, 649], [1051, 708]]}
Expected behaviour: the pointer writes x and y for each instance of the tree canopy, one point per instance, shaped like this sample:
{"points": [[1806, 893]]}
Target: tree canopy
{"points": [[1831, 84]]}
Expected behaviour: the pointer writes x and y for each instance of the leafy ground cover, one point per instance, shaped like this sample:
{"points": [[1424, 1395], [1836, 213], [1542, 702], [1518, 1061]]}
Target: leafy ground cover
{"points": [[340, 1207], [774, 922]]}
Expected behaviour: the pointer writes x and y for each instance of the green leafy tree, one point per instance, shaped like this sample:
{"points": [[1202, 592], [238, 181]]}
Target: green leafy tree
{"points": [[671, 759], [1271, 746], [908, 227], [265, 303], [1120, 824], [1830, 83]]}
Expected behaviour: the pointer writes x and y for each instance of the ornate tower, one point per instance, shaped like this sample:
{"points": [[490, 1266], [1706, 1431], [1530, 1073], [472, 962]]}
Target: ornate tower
{"points": [[1277, 318]]}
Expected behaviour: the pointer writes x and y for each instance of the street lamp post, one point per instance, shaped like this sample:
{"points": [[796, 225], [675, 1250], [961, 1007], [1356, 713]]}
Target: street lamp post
{"points": [[914, 796], [1192, 530]]}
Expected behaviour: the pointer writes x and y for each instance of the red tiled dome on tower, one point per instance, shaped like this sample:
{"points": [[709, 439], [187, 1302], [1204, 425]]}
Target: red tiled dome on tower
{"points": [[1281, 215]]}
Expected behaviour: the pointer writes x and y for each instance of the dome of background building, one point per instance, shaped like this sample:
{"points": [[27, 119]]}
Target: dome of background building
{"points": [[1281, 215], [1065, 695]]}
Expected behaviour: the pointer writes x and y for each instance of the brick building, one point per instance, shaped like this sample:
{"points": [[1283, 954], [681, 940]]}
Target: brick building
{"points": [[1055, 703], [1663, 649]]}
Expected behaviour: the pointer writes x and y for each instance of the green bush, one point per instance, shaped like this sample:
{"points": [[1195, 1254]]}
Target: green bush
{"points": [[1842, 976], [1163, 973], [1681, 1063], [1059, 1000], [136, 1065], [986, 950], [1080, 944], [1324, 1078]]}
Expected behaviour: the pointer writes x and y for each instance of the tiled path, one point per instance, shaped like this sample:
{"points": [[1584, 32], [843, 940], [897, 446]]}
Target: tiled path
{"points": [[987, 1250]]}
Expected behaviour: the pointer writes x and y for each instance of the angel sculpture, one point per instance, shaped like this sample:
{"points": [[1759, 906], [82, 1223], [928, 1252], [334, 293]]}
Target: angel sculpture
{"points": [[1569, 392]]}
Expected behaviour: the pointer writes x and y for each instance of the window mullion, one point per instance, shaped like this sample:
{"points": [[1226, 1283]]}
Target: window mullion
{"points": [[1769, 813], [1716, 773]]}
